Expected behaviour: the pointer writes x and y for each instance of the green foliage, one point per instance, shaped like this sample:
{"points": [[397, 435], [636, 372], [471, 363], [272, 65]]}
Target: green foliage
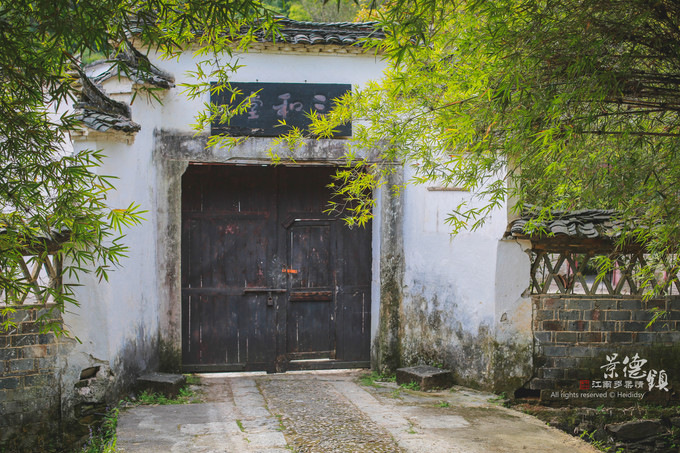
{"points": [[553, 105], [298, 12], [353, 187], [185, 396], [443, 404], [317, 11], [103, 440], [55, 204], [372, 379], [658, 314], [410, 386]]}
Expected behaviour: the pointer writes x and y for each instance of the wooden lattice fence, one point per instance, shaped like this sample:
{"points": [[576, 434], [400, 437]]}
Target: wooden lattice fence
{"points": [[571, 272], [30, 279]]}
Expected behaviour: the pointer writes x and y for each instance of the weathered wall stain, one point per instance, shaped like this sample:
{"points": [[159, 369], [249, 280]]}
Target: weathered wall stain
{"points": [[90, 384], [436, 331], [387, 346]]}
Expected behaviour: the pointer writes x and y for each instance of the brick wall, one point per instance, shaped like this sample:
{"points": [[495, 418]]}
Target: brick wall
{"points": [[574, 333], [29, 389]]}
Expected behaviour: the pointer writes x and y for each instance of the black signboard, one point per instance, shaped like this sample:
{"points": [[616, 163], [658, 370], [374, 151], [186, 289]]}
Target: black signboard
{"points": [[273, 102]]}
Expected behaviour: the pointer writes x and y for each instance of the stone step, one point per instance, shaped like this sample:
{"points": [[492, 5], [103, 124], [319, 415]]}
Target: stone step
{"points": [[164, 383], [427, 377]]}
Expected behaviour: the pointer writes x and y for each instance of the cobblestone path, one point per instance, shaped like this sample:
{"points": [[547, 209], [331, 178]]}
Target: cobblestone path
{"points": [[320, 412], [316, 418]]}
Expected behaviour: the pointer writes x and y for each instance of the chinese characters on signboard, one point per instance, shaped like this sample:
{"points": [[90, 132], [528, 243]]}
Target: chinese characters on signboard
{"points": [[273, 103]]}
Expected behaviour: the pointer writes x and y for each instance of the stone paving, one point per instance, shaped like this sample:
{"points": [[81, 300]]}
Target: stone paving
{"points": [[316, 417], [331, 412]]}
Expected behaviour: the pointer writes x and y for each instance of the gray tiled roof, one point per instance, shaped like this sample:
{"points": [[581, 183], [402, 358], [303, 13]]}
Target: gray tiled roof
{"points": [[104, 122], [298, 32], [152, 77], [313, 33], [135, 66], [590, 223], [99, 112]]}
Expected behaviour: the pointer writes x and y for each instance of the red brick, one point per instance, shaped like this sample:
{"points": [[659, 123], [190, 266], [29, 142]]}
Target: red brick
{"points": [[593, 315]]}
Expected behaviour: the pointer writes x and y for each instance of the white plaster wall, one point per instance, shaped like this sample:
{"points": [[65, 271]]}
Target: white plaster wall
{"points": [[513, 312], [117, 320], [463, 292], [116, 316], [451, 288], [458, 269]]}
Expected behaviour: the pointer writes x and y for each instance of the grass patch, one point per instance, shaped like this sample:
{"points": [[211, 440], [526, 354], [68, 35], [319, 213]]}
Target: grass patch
{"points": [[192, 379], [103, 439], [600, 445], [281, 428], [501, 399], [373, 378], [411, 386], [411, 429], [442, 404], [185, 396]]}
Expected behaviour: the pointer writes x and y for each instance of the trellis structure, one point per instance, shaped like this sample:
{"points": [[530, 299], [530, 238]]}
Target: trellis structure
{"points": [[566, 272], [32, 277], [565, 252], [34, 274]]}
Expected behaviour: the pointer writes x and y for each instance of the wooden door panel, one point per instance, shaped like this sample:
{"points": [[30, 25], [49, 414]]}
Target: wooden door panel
{"points": [[311, 310], [228, 330], [309, 330], [264, 271], [310, 256], [226, 251], [354, 327]]}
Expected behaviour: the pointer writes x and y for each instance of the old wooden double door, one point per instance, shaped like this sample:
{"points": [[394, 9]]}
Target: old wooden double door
{"points": [[270, 282]]}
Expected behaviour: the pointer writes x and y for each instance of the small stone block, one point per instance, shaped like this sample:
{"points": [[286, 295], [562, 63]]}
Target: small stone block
{"points": [[428, 377], [163, 383]]}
